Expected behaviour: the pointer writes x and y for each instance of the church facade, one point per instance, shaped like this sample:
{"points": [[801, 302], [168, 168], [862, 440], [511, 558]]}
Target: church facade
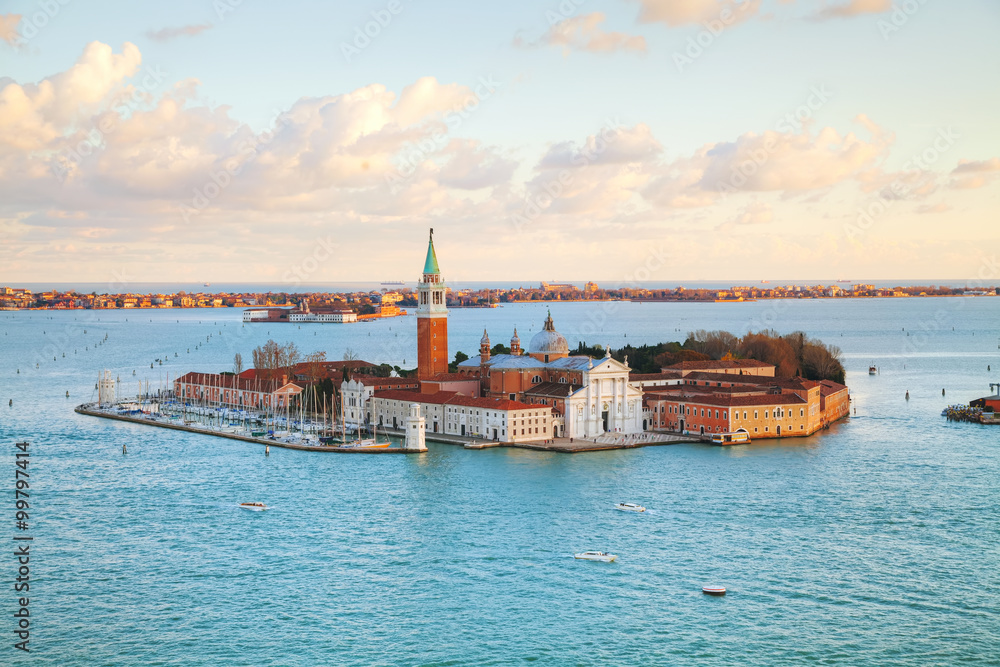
{"points": [[589, 397]]}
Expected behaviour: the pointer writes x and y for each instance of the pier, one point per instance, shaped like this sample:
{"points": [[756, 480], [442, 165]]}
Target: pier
{"points": [[606, 442], [93, 410]]}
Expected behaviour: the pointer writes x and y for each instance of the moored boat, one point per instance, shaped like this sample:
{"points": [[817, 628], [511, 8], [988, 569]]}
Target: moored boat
{"points": [[738, 437], [595, 555], [630, 507]]}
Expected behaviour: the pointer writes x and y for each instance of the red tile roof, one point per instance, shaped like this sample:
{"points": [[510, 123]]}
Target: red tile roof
{"points": [[230, 382]]}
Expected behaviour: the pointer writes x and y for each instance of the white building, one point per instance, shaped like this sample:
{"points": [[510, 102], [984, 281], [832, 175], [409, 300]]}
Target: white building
{"points": [[451, 413], [357, 392]]}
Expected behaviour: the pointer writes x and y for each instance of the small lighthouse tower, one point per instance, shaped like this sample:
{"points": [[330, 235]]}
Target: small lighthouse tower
{"points": [[415, 424]]}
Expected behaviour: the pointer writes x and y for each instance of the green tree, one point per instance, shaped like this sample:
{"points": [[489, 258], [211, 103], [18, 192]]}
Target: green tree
{"points": [[459, 358]]}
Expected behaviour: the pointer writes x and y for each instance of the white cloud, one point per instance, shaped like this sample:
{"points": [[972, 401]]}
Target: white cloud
{"points": [[686, 12], [33, 115], [584, 33], [769, 162], [472, 166]]}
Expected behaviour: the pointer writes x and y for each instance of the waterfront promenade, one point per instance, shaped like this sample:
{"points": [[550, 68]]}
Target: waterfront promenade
{"points": [[563, 445]]}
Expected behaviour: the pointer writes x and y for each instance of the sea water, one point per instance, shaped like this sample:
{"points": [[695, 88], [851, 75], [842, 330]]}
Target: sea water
{"points": [[874, 543]]}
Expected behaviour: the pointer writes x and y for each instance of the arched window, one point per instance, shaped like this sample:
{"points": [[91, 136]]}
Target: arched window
{"points": [[536, 379], [562, 380]]}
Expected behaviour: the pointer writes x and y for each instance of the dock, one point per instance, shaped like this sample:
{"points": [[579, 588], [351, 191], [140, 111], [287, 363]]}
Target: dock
{"points": [[91, 410], [605, 442]]}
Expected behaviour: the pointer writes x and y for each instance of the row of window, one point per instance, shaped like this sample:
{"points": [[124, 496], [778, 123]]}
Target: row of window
{"points": [[779, 413]]}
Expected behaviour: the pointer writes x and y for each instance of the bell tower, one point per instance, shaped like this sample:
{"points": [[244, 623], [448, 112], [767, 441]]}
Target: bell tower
{"points": [[432, 319]]}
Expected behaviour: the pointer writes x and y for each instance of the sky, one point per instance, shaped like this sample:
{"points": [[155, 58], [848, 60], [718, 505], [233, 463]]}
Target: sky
{"points": [[614, 141]]}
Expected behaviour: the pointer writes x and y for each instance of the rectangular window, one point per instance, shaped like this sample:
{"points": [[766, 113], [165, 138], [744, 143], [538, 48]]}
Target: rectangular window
{"points": [[801, 412], [756, 415]]}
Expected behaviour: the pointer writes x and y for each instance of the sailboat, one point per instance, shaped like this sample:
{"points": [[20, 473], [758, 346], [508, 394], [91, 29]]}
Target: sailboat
{"points": [[359, 443]]}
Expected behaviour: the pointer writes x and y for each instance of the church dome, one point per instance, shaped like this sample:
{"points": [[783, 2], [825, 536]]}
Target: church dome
{"points": [[548, 341]]}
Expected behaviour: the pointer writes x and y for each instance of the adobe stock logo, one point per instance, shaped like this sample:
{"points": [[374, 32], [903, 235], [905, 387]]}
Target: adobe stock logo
{"points": [[363, 35]]}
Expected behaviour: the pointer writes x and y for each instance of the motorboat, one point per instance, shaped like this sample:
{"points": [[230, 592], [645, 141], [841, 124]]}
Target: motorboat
{"points": [[873, 370], [595, 555], [630, 507], [369, 443], [738, 437], [254, 507], [713, 590]]}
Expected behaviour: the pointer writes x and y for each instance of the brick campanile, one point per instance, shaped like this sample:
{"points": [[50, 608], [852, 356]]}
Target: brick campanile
{"points": [[432, 319]]}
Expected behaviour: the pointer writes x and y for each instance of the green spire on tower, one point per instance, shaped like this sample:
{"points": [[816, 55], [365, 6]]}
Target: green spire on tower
{"points": [[431, 264]]}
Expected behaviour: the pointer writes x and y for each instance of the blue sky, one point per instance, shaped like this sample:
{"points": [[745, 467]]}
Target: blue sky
{"points": [[608, 135]]}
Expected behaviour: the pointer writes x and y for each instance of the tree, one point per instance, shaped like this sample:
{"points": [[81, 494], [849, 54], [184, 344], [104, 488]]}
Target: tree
{"points": [[270, 358], [381, 371], [499, 348], [237, 364], [459, 358], [350, 355], [314, 366]]}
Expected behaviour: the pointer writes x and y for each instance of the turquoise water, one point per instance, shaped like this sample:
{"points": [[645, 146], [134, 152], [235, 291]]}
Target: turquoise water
{"points": [[875, 543]]}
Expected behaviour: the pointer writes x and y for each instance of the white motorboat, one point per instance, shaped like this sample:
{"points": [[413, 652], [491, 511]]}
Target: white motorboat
{"points": [[595, 555], [630, 507], [254, 507], [713, 590]]}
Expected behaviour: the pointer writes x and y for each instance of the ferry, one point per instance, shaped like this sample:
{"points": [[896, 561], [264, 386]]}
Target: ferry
{"points": [[740, 437], [254, 507], [596, 555], [630, 507]]}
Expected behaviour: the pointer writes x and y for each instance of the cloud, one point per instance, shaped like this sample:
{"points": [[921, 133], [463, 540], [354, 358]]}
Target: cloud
{"points": [[973, 174], [932, 208], [33, 115], [335, 152], [167, 34], [472, 166], [754, 213], [854, 8], [790, 163], [584, 33], [974, 166], [686, 12], [614, 145], [8, 27]]}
